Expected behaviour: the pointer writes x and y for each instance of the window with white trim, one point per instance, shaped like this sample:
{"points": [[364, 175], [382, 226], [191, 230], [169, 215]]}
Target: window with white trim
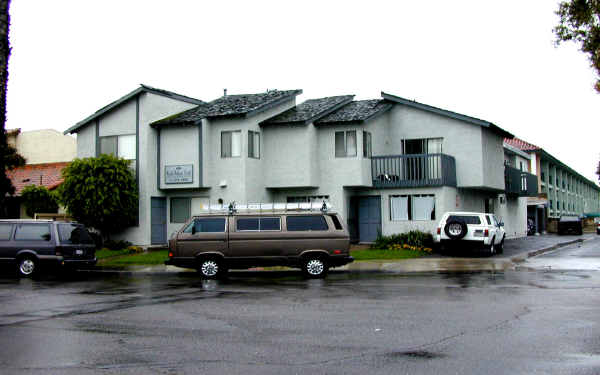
{"points": [[231, 144], [253, 144], [367, 151], [412, 207], [345, 144]]}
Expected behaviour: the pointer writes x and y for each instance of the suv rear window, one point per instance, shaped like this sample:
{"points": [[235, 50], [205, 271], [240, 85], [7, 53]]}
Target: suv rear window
{"points": [[5, 231], [33, 232], [301, 223], [74, 234], [468, 219], [207, 225]]}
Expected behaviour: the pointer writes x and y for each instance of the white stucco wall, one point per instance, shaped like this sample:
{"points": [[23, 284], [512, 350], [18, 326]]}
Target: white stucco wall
{"points": [[119, 121], [46, 146], [179, 145], [86, 141], [493, 159], [514, 215]]}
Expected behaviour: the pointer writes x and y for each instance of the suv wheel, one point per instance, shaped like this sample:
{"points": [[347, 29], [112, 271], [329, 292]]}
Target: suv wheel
{"points": [[315, 267], [27, 266], [492, 248], [455, 229], [211, 268], [500, 248]]}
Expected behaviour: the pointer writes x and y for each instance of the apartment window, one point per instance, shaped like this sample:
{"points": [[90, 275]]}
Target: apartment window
{"points": [[521, 166], [412, 207], [231, 144], [122, 146], [551, 205], [253, 144], [543, 176], [367, 151], [180, 209], [558, 205], [345, 144], [422, 146]]}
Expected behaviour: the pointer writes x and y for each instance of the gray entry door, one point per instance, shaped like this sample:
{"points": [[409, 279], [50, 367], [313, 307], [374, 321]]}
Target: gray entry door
{"points": [[369, 218], [158, 218]]}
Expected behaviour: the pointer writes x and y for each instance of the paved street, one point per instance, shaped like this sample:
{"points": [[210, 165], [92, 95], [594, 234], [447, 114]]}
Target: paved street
{"points": [[526, 320]]}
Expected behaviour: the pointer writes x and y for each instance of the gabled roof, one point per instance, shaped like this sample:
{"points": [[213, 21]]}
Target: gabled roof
{"points": [[47, 174], [310, 110], [521, 144], [131, 95], [231, 105], [446, 113], [356, 111]]}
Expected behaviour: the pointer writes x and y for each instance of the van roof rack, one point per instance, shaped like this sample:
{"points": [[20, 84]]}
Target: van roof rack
{"points": [[260, 207]]}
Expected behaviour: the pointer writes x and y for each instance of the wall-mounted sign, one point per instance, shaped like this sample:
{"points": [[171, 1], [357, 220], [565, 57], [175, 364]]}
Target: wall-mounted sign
{"points": [[179, 174]]}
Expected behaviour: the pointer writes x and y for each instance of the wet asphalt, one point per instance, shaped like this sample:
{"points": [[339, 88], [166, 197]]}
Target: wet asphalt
{"points": [[537, 318]]}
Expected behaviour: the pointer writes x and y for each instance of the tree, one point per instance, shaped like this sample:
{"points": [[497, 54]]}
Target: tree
{"points": [[9, 158], [100, 193], [38, 199], [580, 22]]}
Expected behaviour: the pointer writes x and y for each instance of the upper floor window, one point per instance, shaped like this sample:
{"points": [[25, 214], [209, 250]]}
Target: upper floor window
{"points": [[422, 146], [122, 146], [543, 176], [253, 144], [345, 144], [231, 144], [367, 151]]}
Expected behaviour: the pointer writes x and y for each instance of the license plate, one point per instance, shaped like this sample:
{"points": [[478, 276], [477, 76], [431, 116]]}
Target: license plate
{"points": [[78, 252]]}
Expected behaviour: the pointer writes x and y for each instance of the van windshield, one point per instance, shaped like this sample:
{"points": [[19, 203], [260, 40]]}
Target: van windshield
{"points": [[74, 234]]}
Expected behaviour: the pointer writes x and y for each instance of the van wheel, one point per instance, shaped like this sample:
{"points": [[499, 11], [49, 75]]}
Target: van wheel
{"points": [[27, 266], [211, 268], [315, 267]]}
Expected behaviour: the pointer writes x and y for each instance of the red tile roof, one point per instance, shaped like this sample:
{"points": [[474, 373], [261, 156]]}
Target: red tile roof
{"points": [[47, 174], [521, 144]]}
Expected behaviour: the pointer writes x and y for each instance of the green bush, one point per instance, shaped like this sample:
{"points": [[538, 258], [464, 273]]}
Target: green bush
{"points": [[38, 199], [116, 245], [413, 238]]}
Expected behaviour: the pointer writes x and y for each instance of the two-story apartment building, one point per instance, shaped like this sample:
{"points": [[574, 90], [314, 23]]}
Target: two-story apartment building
{"points": [[562, 190], [387, 165]]}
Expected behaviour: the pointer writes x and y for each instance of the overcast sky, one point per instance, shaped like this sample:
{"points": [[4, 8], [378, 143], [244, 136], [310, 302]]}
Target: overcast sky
{"points": [[488, 59]]}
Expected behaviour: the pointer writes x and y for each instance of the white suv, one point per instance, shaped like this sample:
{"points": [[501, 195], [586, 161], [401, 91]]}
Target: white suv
{"points": [[473, 230]]}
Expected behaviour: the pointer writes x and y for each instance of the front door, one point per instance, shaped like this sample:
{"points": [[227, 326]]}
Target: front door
{"points": [[158, 218], [369, 218]]}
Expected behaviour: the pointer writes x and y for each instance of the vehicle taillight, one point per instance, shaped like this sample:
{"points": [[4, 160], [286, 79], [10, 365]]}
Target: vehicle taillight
{"points": [[170, 254], [337, 251], [439, 230], [486, 233]]}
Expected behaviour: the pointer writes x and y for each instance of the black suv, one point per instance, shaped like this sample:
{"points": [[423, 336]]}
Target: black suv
{"points": [[33, 243]]}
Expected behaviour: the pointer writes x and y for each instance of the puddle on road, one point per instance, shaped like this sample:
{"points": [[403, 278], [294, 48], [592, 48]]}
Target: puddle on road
{"points": [[437, 265]]}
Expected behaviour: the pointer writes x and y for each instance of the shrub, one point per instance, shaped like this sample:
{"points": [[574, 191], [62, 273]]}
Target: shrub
{"points": [[116, 245], [413, 240], [38, 199]]}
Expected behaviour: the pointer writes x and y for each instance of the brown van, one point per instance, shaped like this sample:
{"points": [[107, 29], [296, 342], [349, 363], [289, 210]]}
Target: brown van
{"points": [[213, 243]]}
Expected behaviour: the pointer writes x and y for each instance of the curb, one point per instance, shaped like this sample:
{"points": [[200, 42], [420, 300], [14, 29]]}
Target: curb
{"points": [[522, 257]]}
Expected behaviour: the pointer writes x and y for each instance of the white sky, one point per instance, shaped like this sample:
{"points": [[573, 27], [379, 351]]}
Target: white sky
{"points": [[491, 60]]}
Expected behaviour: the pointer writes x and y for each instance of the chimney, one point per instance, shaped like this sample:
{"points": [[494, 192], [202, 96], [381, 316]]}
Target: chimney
{"points": [[224, 92]]}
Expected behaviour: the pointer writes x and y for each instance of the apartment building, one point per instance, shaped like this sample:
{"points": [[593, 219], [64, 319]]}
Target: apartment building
{"points": [[388, 165], [562, 190]]}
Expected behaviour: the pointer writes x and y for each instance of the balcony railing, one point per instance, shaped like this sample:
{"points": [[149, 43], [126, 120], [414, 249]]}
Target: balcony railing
{"points": [[417, 170], [520, 183]]}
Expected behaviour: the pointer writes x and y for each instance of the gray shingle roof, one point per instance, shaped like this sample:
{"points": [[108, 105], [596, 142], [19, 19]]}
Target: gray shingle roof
{"points": [[309, 110], [230, 105], [356, 111]]}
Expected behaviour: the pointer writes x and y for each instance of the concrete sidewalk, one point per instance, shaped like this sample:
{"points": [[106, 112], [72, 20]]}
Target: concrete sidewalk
{"points": [[515, 251]]}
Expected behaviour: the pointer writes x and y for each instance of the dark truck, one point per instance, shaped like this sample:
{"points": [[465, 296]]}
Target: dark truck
{"points": [[570, 224]]}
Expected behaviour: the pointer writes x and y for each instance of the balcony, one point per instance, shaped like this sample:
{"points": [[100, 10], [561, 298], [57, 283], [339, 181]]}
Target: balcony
{"points": [[520, 183], [417, 170]]}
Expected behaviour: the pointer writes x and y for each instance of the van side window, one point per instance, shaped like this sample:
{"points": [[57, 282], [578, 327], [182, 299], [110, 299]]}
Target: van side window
{"points": [[207, 225], [258, 224], [5, 232], [33, 232], [336, 222], [303, 223]]}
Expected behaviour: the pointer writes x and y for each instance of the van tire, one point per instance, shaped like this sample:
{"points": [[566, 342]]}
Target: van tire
{"points": [[314, 266], [27, 266], [211, 268]]}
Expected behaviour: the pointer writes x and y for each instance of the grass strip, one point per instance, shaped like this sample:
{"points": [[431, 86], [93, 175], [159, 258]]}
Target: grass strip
{"points": [[375, 254], [107, 253], [143, 259]]}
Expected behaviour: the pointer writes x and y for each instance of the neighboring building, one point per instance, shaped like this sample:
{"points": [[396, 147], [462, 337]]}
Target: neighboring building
{"points": [[47, 152], [387, 165], [562, 191]]}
